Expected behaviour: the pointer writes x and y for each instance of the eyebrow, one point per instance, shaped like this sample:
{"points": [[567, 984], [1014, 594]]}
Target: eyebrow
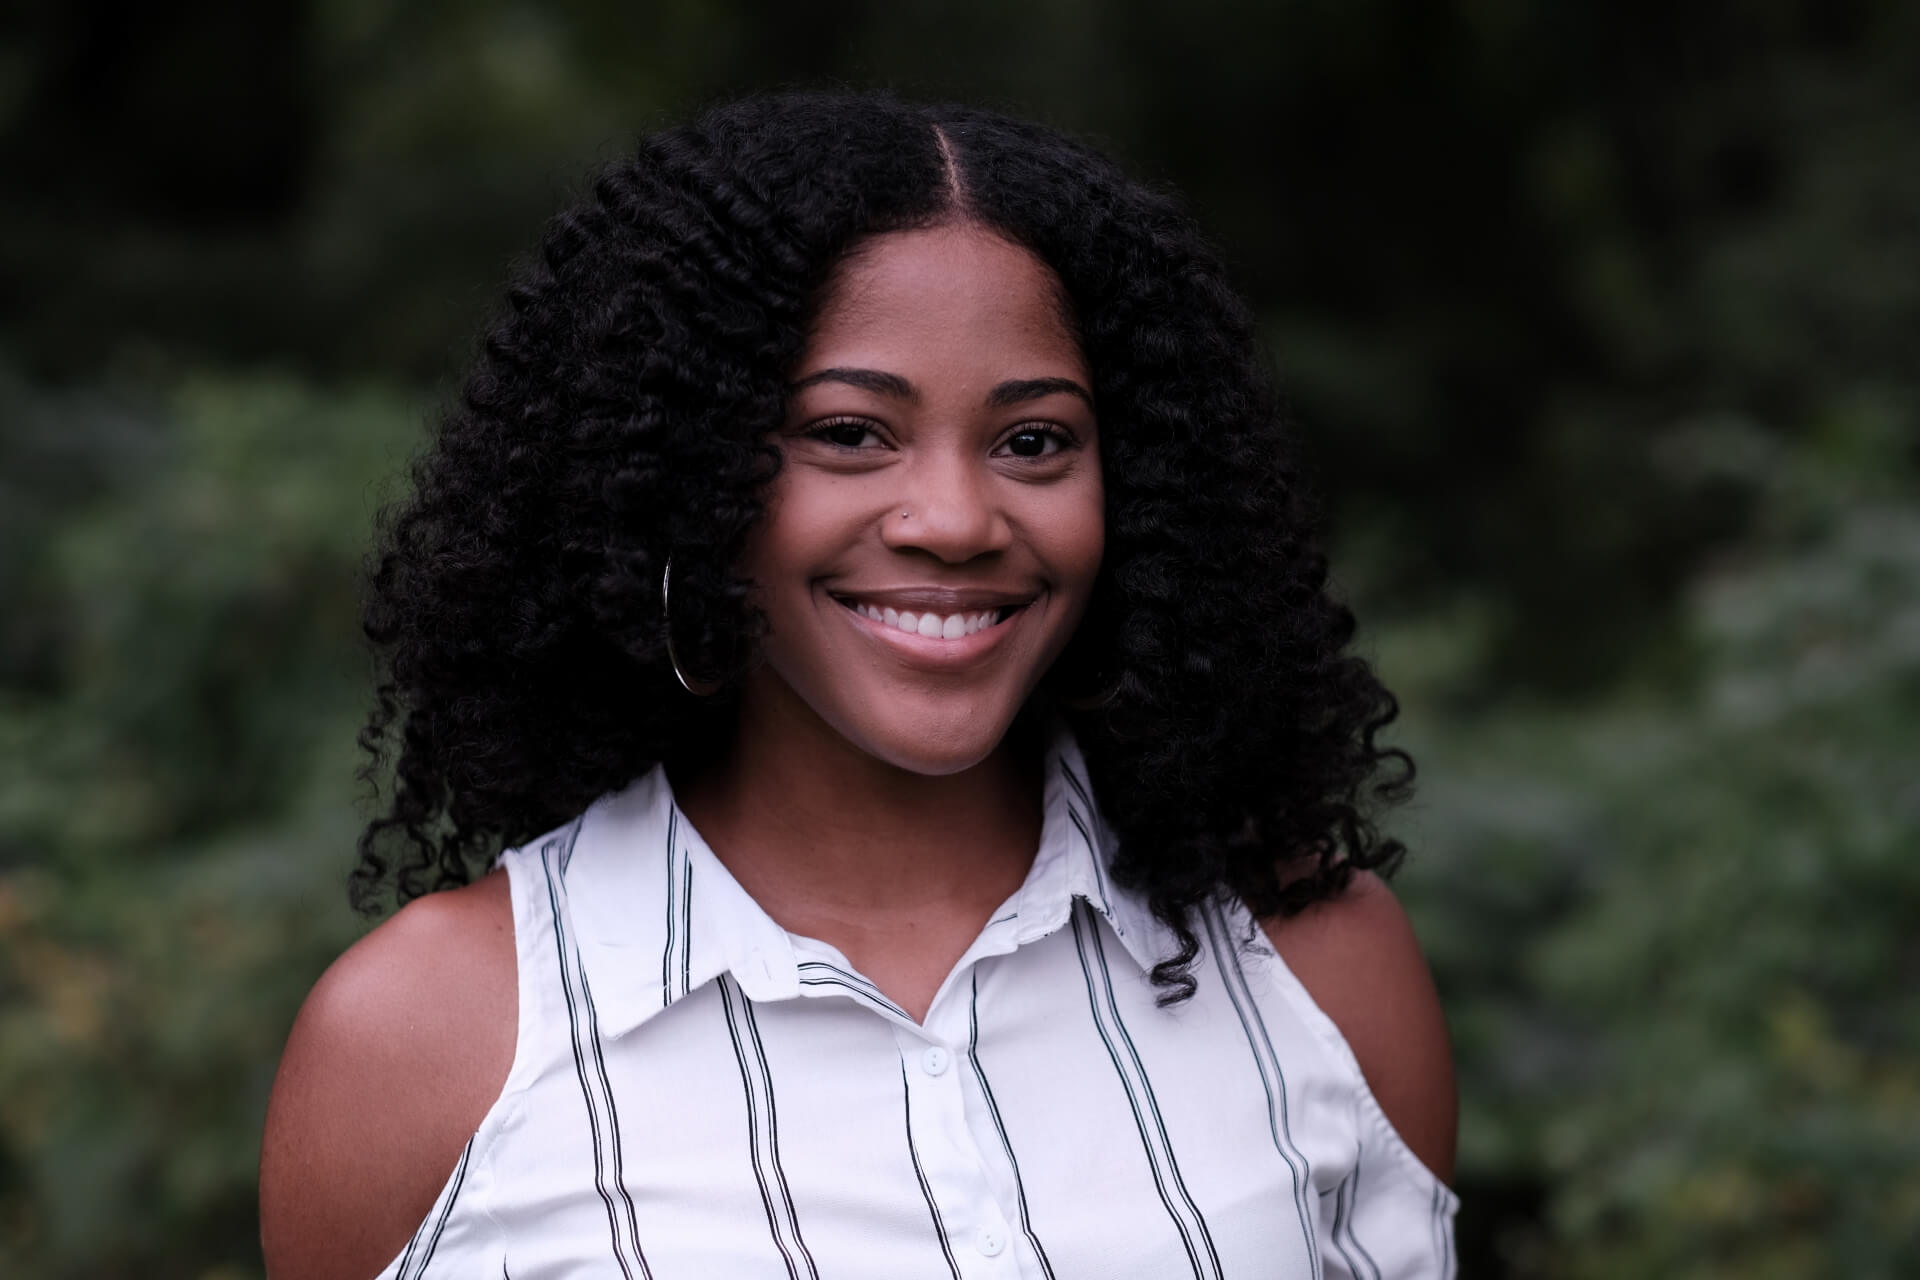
{"points": [[1011, 392], [1025, 389], [885, 384]]}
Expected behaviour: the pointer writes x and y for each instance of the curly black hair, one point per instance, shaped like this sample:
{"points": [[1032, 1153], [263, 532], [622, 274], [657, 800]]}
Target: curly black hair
{"points": [[617, 413]]}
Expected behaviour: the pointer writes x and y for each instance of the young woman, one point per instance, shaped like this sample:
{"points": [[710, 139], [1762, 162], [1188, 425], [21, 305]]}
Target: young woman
{"points": [[866, 589]]}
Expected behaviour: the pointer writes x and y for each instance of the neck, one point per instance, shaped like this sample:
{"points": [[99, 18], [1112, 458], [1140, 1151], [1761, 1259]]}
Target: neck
{"points": [[825, 836]]}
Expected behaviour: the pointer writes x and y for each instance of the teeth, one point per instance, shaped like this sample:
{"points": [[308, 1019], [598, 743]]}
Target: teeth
{"points": [[952, 626]]}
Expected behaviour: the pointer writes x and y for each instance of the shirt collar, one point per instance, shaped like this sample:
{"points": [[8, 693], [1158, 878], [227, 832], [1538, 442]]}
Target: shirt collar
{"points": [[658, 915], [1074, 861]]}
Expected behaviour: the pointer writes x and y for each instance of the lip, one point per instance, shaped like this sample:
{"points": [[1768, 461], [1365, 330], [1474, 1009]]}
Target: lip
{"points": [[940, 600], [932, 652]]}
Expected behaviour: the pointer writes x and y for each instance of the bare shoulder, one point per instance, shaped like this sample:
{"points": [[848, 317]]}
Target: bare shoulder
{"points": [[397, 1054], [1358, 958]]}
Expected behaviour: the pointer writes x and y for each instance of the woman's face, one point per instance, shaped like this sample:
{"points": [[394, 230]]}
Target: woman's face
{"points": [[933, 536]]}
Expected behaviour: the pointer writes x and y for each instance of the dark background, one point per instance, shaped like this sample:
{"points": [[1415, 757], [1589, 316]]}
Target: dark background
{"points": [[1601, 320]]}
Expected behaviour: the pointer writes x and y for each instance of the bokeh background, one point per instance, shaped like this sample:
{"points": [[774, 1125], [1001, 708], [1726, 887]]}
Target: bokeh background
{"points": [[1601, 317]]}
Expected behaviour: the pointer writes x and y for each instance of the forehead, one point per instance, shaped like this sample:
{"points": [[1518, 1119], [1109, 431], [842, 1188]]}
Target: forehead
{"points": [[949, 291]]}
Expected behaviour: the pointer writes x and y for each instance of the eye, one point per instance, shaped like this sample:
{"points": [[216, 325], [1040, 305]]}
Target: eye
{"points": [[1036, 441], [844, 433]]}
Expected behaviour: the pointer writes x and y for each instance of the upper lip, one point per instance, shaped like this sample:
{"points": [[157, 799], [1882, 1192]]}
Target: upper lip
{"points": [[940, 600]]}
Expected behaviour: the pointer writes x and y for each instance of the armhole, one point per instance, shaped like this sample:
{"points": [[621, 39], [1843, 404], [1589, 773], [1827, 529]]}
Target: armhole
{"points": [[418, 1254], [531, 919], [469, 1182], [1376, 1130]]}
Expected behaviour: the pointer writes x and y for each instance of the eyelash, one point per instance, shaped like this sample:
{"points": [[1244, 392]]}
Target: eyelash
{"points": [[1063, 438], [819, 430]]}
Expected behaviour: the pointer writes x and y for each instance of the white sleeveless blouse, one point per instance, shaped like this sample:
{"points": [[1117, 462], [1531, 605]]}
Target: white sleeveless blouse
{"points": [[697, 1094]]}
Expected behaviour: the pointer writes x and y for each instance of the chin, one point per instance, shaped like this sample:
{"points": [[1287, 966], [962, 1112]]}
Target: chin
{"points": [[935, 741]]}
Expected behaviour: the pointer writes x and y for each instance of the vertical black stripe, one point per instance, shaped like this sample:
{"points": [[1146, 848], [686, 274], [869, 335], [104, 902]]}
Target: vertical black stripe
{"points": [[1093, 854], [1345, 1201], [1087, 940], [407, 1257], [1339, 1219], [1079, 787], [753, 1121], [446, 1211], [933, 1209], [438, 1222], [773, 1134], [747, 1084], [686, 922], [999, 1126], [1353, 1202], [1267, 1064], [666, 950], [613, 1121], [1139, 1119], [573, 837], [1082, 790], [1146, 1085], [580, 1069]]}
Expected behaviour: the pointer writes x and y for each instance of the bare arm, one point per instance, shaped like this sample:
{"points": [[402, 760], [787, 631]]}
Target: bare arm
{"points": [[399, 1051], [1358, 958]]}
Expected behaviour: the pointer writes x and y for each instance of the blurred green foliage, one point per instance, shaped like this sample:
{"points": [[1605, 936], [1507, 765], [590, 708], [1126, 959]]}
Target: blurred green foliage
{"points": [[176, 807], [1675, 926], [1601, 319]]}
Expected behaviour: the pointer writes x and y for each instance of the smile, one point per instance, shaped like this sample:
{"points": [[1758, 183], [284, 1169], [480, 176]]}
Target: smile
{"points": [[934, 626], [931, 620]]}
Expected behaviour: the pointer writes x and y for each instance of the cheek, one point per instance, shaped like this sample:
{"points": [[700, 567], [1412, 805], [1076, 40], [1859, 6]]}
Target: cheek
{"points": [[1070, 537], [760, 560], [1083, 531], [803, 526]]}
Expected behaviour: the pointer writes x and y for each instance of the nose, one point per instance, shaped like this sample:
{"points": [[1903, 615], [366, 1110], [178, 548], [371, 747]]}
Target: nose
{"points": [[948, 508]]}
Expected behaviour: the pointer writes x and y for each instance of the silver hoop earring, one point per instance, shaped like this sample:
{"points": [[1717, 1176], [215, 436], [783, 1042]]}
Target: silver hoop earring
{"points": [[698, 688]]}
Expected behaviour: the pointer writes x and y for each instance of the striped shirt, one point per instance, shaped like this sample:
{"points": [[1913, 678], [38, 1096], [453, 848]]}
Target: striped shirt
{"points": [[697, 1094]]}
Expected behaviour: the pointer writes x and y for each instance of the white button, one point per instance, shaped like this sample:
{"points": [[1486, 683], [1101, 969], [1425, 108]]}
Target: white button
{"points": [[935, 1060], [990, 1241]]}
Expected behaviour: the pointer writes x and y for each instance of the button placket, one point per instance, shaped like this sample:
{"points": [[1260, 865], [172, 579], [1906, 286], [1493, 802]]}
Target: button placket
{"points": [[958, 1176]]}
